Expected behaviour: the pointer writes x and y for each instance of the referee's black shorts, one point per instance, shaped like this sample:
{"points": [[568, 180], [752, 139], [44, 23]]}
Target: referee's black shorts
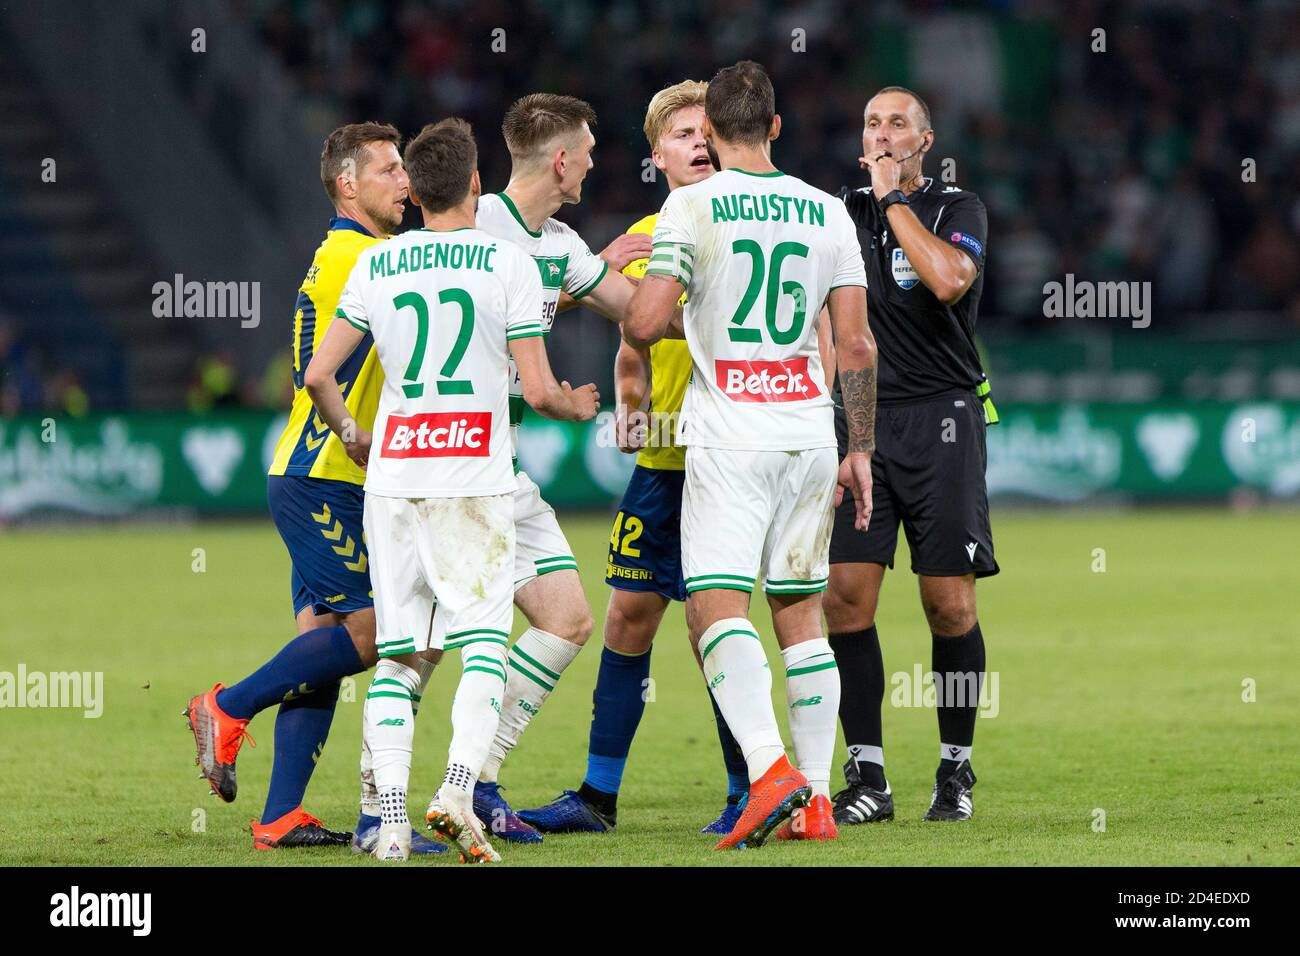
{"points": [[928, 473]]}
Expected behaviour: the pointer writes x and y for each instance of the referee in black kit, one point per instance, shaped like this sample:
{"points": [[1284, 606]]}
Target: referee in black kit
{"points": [[924, 247]]}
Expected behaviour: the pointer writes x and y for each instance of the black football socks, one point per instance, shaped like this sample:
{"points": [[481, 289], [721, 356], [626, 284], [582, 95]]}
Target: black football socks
{"points": [[862, 694], [958, 666]]}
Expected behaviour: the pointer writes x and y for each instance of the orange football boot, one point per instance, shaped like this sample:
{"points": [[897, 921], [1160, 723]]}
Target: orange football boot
{"points": [[217, 739], [772, 798], [295, 829], [458, 826], [813, 822]]}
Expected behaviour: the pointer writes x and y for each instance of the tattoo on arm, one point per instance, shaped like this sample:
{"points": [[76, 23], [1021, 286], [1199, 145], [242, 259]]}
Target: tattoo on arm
{"points": [[858, 388]]}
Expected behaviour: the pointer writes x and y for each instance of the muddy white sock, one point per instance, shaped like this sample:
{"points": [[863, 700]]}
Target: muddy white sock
{"points": [[390, 724], [370, 802], [535, 664], [476, 708]]}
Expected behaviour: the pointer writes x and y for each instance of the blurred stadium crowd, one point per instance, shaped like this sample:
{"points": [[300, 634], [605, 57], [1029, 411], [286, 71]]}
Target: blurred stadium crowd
{"points": [[1127, 163], [1117, 164]]}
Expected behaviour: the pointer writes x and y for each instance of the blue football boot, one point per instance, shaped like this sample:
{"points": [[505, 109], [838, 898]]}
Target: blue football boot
{"points": [[726, 821], [366, 836], [568, 813], [497, 817]]}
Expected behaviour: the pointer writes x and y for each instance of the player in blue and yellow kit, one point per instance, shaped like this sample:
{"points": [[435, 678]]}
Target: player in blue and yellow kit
{"points": [[315, 495], [644, 566]]}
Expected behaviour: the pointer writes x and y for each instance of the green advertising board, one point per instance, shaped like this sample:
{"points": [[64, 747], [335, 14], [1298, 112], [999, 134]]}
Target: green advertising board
{"points": [[114, 465], [215, 464], [1073, 453]]}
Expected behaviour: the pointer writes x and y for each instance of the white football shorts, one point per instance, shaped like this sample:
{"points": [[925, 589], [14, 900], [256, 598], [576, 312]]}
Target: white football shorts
{"points": [[455, 553], [749, 514], [540, 545]]}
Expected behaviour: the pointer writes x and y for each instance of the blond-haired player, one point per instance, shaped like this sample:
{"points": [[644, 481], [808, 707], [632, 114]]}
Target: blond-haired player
{"points": [[759, 252]]}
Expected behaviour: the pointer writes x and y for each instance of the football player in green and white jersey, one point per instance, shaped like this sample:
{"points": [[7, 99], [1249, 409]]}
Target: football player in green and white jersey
{"points": [[550, 141], [454, 314], [758, 253]]}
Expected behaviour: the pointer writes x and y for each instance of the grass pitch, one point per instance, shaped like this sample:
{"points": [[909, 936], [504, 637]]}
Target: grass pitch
{"points": [[1120, 700]]}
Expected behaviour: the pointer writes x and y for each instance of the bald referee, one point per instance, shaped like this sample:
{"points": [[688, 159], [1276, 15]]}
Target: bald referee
{"points": [[924, 247]]}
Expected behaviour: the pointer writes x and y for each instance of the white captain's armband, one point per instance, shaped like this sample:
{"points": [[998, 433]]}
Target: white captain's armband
{"points": [[673, 259]]}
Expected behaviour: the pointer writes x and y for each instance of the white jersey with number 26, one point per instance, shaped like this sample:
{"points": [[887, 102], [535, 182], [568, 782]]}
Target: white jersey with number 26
{"points": [[441, 307], [758, 253]]}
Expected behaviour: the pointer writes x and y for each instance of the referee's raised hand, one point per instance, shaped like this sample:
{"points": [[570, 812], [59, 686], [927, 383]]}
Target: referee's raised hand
{"points": [[885, 171]]}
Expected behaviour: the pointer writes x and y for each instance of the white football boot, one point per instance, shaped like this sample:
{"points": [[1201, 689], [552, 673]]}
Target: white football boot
{"points": [[394, 843], [451, 817]]}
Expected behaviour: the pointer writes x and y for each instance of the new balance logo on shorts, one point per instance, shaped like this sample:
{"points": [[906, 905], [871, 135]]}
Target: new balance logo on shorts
{"points": [[438, 435], [755, 381]]}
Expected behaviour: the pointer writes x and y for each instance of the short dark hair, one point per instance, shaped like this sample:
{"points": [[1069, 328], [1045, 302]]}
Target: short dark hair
{"points": [[440, 162], [534, 120], [348, 143], [740, 103], [925, 110]]}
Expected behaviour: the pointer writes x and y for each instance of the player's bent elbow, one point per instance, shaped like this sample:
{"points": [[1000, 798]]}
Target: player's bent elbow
{"points": [[858, 351], [639, 326], [950, 291], [950, 294], [314, 381], [638, 333]]}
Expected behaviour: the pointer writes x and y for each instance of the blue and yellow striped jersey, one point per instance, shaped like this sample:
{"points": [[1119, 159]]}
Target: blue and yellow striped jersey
{"points": [[670, 370], [308, 448]]}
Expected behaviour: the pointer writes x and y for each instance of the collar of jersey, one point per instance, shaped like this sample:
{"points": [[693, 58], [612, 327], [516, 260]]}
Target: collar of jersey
{"points": [[927, 182], [775, 172], [518, 218], [343, 222], [443, 232]]}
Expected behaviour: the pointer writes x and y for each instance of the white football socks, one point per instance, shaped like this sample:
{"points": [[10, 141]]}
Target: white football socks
{"points": [[390, 725], [475, 711], [737, 672], [812, 689], [370, 803], [369, 792], [534, 667], [426, 672]]}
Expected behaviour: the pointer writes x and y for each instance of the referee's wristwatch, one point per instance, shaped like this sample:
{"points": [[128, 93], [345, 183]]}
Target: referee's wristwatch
{"points": [[892, 197]]}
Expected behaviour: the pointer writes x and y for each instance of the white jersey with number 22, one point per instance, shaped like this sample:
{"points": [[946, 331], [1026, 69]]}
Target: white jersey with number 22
{"points": [[441, 307]]}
